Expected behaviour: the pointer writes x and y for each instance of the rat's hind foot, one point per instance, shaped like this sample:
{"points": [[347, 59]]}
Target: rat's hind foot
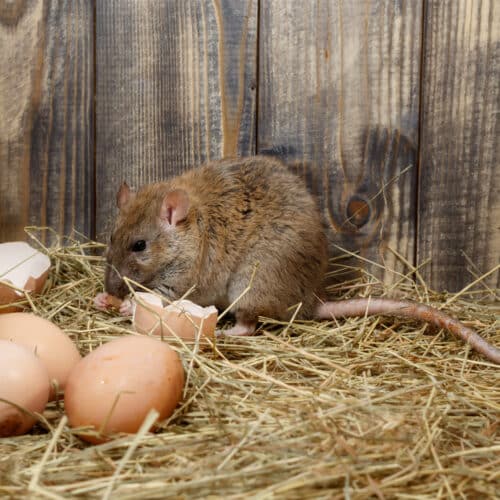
{"points": [[239, 330]]}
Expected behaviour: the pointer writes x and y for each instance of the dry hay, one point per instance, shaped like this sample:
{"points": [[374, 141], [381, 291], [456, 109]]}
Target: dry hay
{"points": [[364, 408]]}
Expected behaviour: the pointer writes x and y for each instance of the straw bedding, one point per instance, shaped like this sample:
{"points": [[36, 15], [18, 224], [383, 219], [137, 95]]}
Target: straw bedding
{"points": [[360, 408]]}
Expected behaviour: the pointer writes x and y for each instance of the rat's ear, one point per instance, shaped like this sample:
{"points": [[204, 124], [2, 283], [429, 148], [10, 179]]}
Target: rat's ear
{"points": [[124, 196], [174, 208]]}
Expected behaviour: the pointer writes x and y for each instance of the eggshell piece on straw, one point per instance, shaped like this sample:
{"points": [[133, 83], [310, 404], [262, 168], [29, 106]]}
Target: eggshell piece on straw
{"points": [[24, 268], [182, 318]]}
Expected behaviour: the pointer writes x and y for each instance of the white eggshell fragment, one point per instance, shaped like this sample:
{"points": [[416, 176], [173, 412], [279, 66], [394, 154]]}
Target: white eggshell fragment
{"points": [[25, 268], [113, 388], [24, 381], [182, 318], [54, 348]]}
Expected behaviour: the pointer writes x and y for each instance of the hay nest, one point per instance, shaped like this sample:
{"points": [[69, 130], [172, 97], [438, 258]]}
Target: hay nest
{"points": [[360, 408]]}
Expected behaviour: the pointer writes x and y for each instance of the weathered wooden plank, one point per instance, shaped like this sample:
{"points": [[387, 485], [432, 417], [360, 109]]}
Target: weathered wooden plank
{"points": [[175, 87], [46, 125], [460, 148], [339, 93]]}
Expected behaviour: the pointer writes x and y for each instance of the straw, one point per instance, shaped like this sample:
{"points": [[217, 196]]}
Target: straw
{"points": [[369, 407]]}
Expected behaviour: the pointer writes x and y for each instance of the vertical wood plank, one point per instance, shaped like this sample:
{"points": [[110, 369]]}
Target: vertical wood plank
{"points": [[46, 110], [339, 98], [175, 88], [460, 145]]}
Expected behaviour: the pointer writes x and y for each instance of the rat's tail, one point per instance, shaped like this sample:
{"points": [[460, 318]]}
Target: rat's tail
{"points": [[390, 307]]}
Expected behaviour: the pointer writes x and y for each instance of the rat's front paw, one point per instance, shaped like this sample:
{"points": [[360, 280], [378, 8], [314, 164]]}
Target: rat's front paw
{"points": [[101, 301], [127, 307]]}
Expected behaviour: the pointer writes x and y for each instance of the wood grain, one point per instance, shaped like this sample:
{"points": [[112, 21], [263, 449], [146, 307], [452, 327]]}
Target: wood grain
{"points": [[339, 95], [459, 212], [175, 87], [46, 132]]}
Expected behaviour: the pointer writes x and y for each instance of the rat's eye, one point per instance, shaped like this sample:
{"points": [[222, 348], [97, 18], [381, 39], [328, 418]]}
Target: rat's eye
{"points": [[138, 246]]}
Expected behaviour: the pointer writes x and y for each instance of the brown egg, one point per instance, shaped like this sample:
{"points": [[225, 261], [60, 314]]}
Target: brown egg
{"points": [[23, 267], [114, 387], [24, 381], [54, 348], [182, 318]]}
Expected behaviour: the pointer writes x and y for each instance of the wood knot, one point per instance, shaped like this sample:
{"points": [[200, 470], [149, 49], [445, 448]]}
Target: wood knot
{"points": [[12, 11], [358, 211]]}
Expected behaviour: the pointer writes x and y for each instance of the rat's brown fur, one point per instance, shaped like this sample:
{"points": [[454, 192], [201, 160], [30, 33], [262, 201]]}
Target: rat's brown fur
{"points": [[242, 213]]}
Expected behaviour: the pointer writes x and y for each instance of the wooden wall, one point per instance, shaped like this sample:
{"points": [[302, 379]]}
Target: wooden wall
{"points": [[388, 109]]}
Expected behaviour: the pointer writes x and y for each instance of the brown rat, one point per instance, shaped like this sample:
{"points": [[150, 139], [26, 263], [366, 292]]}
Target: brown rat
{"points": [[213, 225]]}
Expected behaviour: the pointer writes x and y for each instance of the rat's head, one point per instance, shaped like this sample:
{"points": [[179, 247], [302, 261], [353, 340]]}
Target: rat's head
{"points": [[150, 238]]}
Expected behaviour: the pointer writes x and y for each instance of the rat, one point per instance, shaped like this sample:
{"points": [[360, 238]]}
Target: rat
{"points": [[231, 222]]}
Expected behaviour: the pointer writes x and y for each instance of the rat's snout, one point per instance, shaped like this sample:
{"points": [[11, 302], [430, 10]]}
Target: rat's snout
{"points": [[113, 282]]}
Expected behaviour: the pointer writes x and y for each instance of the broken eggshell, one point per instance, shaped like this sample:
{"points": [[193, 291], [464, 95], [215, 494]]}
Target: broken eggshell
{"points": [[182, 318], [23, 267]]}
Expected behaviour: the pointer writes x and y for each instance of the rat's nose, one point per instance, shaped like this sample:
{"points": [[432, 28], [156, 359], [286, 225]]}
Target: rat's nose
{"points": [[113, 282]]}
